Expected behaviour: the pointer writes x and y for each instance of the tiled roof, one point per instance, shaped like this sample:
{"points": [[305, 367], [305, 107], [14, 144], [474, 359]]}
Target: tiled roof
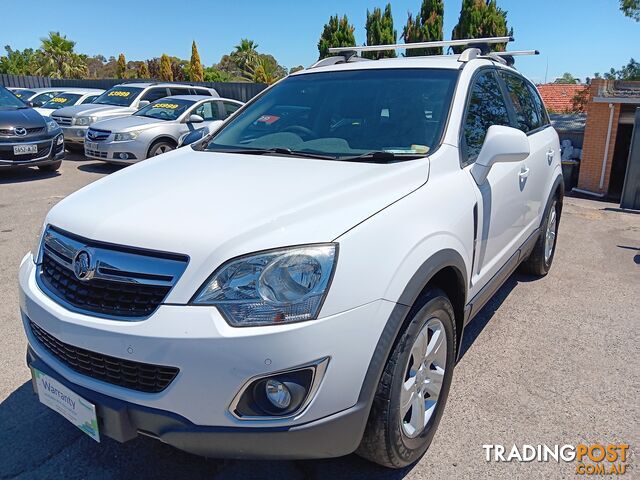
{"points": [[620, 89], [568, 122], [558, 97]]}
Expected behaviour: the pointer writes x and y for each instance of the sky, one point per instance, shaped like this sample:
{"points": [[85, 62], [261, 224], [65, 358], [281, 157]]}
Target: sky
{"points": [[577, 36]]}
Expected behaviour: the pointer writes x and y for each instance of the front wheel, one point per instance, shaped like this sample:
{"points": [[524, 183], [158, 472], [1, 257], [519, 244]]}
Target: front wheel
{"points": [[161, 147], [50, 167], [413, 390], [541, 257]]}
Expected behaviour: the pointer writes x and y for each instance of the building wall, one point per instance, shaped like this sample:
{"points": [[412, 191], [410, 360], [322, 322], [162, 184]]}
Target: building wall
{"points": [[595, 140]]}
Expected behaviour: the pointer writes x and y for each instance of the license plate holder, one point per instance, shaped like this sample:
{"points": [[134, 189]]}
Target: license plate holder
{"points": [[25, 149]]}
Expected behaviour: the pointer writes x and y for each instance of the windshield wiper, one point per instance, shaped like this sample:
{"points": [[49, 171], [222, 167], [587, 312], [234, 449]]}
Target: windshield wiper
{"points": [[380, 157], [277, 151]]}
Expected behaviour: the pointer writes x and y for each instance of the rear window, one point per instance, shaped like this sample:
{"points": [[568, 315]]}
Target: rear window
{"points": [[119, 96], [62, 100]]}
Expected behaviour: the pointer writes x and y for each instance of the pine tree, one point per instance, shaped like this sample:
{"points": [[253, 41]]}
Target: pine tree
{"points": [[480, 19], [380, 32], [143, 71], [166, 73], [427, 27], [196, 72], [121, 70], [337, 33]]}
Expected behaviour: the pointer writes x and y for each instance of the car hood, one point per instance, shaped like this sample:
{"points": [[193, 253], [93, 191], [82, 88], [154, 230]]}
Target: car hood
{"points": [[45, 112], [94, 110], [127, 123], [215, 206], [24, 117]]}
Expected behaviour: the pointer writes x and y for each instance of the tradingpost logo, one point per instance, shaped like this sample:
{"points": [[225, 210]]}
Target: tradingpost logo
{"points": [[590, 459]]}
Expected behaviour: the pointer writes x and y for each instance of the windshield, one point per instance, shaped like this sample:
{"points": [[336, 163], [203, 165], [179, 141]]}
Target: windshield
{"points": [[165, 109], [62, 100], [399, 112], [119, 96], [8, 100], [23, 93]]}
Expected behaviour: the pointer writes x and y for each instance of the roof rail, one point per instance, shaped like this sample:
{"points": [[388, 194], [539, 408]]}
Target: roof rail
{"points": [[344, 57], [507, 57], [410, 46]]}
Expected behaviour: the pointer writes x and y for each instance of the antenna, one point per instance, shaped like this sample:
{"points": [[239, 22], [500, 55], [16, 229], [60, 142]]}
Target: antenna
{"points": [[476, 42]]}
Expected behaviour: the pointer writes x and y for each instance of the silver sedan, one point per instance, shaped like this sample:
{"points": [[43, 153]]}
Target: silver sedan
{"points": [[156, 128]]}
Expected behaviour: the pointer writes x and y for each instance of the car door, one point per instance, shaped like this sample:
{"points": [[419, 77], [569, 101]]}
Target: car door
{"points": [[531, 118], [211, 111], [501, 199]]}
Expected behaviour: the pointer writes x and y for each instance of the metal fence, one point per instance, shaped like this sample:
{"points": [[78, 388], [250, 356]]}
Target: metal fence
{"points": [[236, 90]]}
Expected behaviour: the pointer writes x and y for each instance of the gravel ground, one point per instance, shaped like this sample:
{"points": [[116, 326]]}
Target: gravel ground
{"points": [[550, 361]]}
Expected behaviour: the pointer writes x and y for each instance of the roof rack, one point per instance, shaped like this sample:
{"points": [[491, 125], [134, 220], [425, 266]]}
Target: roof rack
{"points": [[409, 46]]}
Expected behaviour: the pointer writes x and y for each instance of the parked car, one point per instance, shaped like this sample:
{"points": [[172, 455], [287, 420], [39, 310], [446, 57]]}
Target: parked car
{"points": [[35, 97], [297, 284], [70, 97], [156, 128], [119, 101], [26, 138]]}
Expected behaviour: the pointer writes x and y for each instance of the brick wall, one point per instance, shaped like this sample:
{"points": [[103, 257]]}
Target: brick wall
{"points": [[595, 139]]}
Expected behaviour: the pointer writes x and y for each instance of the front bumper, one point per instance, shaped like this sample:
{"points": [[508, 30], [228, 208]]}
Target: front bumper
{"points": [[215, 362], [109, 151], [74, 134], [51, 152]]}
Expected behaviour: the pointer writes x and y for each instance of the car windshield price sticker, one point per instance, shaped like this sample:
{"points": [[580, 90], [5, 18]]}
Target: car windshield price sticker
{"points": [[119, 93], [59, 100], [168, 106]]}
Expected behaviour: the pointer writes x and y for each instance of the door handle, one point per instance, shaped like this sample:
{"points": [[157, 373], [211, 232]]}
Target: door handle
{"points": [[550, 155], [524, 173]]}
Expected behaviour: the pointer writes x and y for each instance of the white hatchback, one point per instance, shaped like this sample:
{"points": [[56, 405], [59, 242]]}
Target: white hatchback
{"points": [[297, 284]]}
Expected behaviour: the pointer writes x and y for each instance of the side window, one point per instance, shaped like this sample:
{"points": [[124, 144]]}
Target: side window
{"points": [[486, 107], [154, 94], [200, 91], [229, 108], [528, 114], [208, 111], [178, 91], [542, 111], [90, 99]]}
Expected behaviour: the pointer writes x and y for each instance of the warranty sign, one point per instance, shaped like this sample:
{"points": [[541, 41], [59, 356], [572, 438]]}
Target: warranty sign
{"points": [[67, 403]]}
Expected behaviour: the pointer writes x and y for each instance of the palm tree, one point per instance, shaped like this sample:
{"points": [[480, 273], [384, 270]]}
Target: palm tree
{"points": [[245, 55], [57, 59]]}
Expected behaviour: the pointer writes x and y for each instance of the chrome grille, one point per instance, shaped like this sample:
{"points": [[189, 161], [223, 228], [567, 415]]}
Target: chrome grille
{"points": [[106, 280], [63, 121], [97, 135], [139, 376]]}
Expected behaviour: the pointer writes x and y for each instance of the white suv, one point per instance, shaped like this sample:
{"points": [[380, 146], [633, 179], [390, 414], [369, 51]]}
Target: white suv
{"points": [[297, 284]]}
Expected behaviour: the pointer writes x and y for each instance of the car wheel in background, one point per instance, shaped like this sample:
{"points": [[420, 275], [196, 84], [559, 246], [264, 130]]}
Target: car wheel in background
{"points": [[51, 167], [413, 390], [74, 148], [158, 148]]}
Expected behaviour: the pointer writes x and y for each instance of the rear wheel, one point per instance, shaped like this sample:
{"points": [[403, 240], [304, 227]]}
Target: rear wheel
{"points": [[160, 147], [541, 257], [414, 386], [50, 167]]}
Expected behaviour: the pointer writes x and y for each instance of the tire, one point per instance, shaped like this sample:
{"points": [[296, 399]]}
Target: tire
{"points": [[50, 167], [160, 147], [390, 438], [74, 148], [540, 259]]}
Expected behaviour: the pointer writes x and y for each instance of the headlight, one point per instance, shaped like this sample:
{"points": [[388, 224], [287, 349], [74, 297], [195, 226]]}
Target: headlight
{"points": [[52, 126], [272, 287], [85, 121], [119, 137]]}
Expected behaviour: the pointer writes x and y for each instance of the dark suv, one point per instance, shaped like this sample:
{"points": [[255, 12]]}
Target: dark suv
{"points": [[27, 139]]}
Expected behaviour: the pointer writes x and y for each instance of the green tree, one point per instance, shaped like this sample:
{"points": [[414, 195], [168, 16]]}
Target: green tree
{"points": [[121, 72], [337, 33], [567, 78], [296, 69], [245, 55], [629, 72], [380, 31], [17, 62], [166, 73], [196, 73], [56, 58], [143, 71], [427, 27], [480, 19], [631, 8], [212, 74]]}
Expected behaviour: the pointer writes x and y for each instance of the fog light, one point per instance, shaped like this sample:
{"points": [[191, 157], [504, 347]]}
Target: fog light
{"points": [[80, 133], [123, 156], [278, 394]]}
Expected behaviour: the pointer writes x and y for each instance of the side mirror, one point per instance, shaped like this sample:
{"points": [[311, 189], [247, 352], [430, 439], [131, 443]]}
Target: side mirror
{"points": [[143, 103], [502, 144], [191, 137], [30, 104], [195, 119]]}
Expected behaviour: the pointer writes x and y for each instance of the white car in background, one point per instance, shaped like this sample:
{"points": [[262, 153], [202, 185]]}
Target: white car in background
{"points": [[35, 97], [71, 96], [156, 128], [119, 101]]}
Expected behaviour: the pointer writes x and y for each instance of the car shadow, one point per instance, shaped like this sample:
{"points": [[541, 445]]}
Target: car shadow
{"points": [[25, 174], [39, 443], [100, 167]]}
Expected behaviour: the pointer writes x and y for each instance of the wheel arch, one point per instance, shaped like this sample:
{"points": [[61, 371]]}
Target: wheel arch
{"points": [[161, 138]]}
